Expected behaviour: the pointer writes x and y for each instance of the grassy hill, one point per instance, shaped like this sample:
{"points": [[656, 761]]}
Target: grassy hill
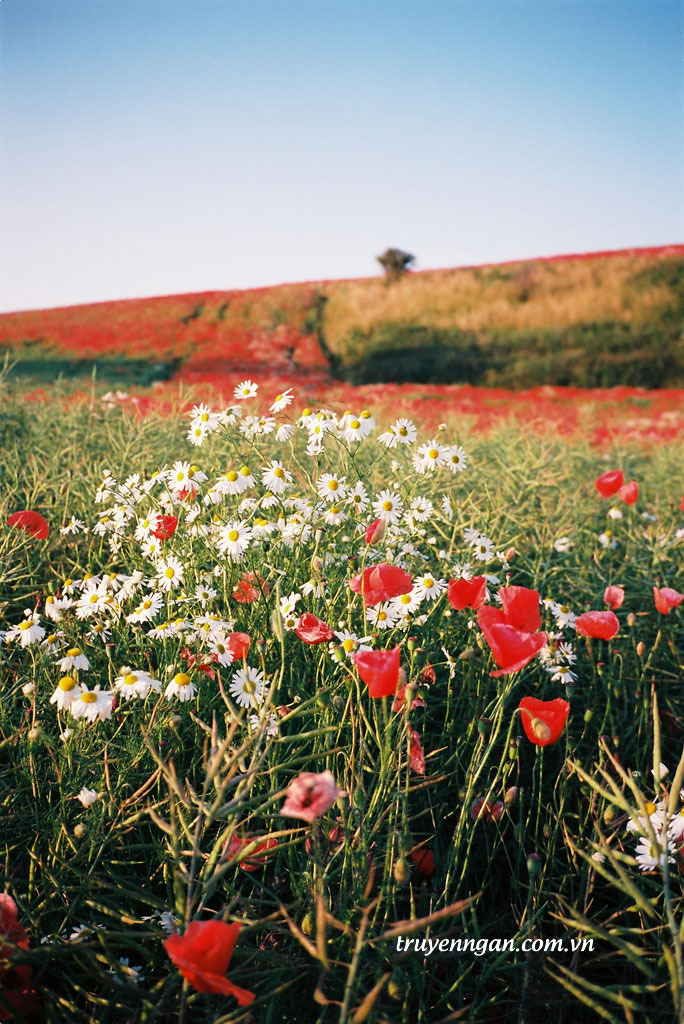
{"points": [[596, 320]]}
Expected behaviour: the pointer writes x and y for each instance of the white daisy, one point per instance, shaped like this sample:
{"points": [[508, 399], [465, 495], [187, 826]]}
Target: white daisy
{"points": [[181, 686], [389, 506], [87, 797], [275, 477], [67, 691], [282, 401], [453, 457], [247, 686], [331, 487], [93, 705], [170, 572], [135, 683], [427, 588], [234, 539], [245, 389]]}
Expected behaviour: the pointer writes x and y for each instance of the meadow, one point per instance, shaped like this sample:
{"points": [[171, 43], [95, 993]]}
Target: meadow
{"points": [[313, 683]]}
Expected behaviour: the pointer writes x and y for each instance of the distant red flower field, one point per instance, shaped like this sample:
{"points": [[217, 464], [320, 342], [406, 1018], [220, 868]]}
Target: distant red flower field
{"points": [[219, 338]]}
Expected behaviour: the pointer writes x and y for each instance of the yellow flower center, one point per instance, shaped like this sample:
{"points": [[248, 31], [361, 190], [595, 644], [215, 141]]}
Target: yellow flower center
{"points": [[365, 415], [181, 679], [279, 472], [89, 697], [146, 605], [130, 679], [26, 625], [433, 453], [427, 582], [355, 424], [170, 572], [232, 476], [233, 535], [244, 471], [388, 506], [67, 683], [650, 808], [93, 598], [249, 686], [348, 644], [333, 485], [74, 652]]}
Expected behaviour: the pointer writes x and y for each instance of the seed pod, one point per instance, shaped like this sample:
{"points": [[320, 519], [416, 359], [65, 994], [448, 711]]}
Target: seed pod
{"points": [[640, 648], [402, 871]]}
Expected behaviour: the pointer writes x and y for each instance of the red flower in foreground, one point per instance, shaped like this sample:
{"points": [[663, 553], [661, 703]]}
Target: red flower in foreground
{"points": [[543, 720], [15, 981], [376, 531], [30, 521], [602, 625], [381, 582], [424, 861], [629, 493], [379, 670], [467, 593], [310, 794], [519, 608], [238, 645], [681, 503], [666, 599], [312, 630], [609, 483], [257, 857], [203, 954], [511, 648], [247, 589], [166, 527], [614, 596]]}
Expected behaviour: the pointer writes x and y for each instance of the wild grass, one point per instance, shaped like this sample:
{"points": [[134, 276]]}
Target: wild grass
{"points": [[177, 781]]}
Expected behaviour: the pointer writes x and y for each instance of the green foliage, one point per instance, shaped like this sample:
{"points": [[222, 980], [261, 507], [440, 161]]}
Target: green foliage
{"points": [[178, 781]]}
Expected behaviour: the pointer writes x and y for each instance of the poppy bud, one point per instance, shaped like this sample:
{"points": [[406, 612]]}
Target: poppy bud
{"points": [[631, 619], [34, 734], [588, 715], [467, 654], [609, 815], [80, 830], [640, 648], [510, 796], [534, 865], [402, 871], [307, 924]]}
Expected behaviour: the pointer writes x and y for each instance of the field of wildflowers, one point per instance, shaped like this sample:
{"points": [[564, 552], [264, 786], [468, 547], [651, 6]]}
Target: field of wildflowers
{"points": [[286, 686]]}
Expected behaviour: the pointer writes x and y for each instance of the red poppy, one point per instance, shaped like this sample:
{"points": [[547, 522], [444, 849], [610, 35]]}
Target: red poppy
{"points": [[416, 701], [376, 531], [681, 503], [481, 808], [312, 630], [186, 493], [511, 648], [467, 593], [257, 857], [203, 954], [166, 527], [416, 753], [238, 645], [666, 599], [246, 590], [381, 582], [30, 521], [629, 493], [15, 979], [543, 720], [520, 609], [601, 625], [380, 670], [609, 483], [614, 596], [424, 860]]}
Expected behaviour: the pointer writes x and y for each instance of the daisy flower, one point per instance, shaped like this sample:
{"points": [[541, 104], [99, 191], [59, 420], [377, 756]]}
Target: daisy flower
{"points": [[181, 686], [282, 401], [331, 487], [203, 416], [383, 615], [27, 632], [483, 549], [234, 539], [427, 588], [406, 604], [55, 607], [562, 545], [284, 432], [150, 606], [421, 509], [197, 432], [275, 477], [427, 456], [67, 691], [245, 389], [204, 594], [247, 686], [453, 457], [358, 497], [561, 674], [135, 683], [74, 658], [93, 705], [388, 506], [87, 797], [74, 526], [349, 642], [563, 615], [255, 723], [170, 572], [333, 516], [446, 507], [220, 649], [650, 856]]}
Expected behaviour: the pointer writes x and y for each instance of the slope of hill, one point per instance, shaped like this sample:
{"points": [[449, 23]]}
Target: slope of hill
{"points": [[592, 320]]}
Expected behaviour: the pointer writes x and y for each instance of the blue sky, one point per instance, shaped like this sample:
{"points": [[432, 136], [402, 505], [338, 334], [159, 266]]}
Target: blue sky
{"points": [[150, 147]]}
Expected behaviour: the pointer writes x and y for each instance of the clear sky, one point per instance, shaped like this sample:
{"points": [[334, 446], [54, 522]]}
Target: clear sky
{"points": [[149, 147]]}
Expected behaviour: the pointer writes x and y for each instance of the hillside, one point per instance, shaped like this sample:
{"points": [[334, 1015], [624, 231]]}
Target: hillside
{"points": [[591, 320]]}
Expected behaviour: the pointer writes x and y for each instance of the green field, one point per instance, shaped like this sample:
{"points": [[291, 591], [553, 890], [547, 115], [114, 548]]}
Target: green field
{"points": [[178, 781]]}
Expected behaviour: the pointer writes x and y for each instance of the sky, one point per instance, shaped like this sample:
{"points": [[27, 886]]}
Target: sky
{"points": [[154, 147]]}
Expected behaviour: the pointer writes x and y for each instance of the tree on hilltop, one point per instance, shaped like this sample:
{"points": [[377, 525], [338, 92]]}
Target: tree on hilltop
{"points": [[395, 262]]}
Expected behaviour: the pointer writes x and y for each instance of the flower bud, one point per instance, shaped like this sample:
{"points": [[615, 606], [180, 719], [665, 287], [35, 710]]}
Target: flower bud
{"points": [[631, 619], [534, 865], [510, 796], [307, 924], [640, 648], [402, 871], [80, 830]]}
